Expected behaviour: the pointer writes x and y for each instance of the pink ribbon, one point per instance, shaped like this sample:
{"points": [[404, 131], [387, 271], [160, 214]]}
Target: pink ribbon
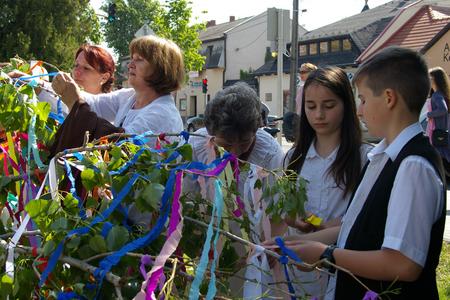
{"points": [[174, 236]]}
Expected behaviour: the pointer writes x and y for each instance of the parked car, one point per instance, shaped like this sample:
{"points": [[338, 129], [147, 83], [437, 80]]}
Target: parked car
{"points": [[194, 123]]}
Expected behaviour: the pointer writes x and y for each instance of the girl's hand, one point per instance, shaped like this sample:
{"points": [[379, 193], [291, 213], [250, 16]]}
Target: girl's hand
{"points": [[300, 223]]}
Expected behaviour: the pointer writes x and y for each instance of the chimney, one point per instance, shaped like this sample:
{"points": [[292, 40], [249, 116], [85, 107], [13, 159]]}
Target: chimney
{"points": [[232, 18], [210, 23]]}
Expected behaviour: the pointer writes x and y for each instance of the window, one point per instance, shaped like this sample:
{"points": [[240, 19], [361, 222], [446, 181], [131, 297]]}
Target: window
{"points": [[346, 45], [302, 50], [268, 97], [335, 47], [313, 49], [210, 51], [183, 104], [323, 47]]}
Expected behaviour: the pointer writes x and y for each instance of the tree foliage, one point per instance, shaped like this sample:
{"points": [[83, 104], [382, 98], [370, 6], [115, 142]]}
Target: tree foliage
{"points": [[170, 20], [48, 30]]}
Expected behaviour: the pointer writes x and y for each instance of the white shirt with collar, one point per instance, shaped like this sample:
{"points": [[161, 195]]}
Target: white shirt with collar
{"points": [[417, 194], [160, 116], [326, 200]]}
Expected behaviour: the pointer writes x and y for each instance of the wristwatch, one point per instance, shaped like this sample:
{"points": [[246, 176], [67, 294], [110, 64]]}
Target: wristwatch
{"points": [[328, 255]]}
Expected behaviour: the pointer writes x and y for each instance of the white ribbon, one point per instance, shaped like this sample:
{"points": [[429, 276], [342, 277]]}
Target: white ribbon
{"points": [[51, 176], [257, 272], [257, 275]]}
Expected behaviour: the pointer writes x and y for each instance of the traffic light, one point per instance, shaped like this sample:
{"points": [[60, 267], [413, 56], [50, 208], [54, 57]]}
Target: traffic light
{"points": [[205, 85], [112, 12]]}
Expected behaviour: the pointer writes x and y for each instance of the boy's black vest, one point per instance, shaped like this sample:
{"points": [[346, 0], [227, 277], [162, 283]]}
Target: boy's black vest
{"points": [[368, 231]]}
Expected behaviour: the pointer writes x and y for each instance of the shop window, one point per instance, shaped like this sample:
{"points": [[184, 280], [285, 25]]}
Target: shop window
{"points": [[346, 45], [302, 50], [313, 49], [323, 47]]}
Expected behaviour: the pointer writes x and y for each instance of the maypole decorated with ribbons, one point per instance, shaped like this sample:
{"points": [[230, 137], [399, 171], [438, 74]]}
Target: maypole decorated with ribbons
{"points": [[112, 219]]}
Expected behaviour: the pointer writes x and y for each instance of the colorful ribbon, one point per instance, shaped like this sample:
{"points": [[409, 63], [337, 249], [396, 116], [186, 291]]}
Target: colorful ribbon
{"points": [[171, 244], [201, 268], [287, 253], [83, 230]]}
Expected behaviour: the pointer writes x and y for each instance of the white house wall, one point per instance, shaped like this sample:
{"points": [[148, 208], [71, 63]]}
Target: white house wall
{"points": [[246, 46], [268, 85]]}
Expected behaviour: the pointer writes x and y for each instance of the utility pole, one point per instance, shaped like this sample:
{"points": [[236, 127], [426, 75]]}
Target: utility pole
{"points": [[294, 58], [281, 45], [278, 31]]}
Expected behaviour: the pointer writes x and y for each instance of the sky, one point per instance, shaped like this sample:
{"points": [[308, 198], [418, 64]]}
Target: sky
{"points": [[318, 12]]}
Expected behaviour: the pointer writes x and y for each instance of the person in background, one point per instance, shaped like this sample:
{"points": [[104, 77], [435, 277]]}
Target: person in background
{"points": [[380, 239], [330, 157], [93, 71], [304, 71], [438, 109], [156, 70]]}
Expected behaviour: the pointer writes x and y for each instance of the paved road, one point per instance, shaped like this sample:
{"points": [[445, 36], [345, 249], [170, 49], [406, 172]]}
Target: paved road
{"points": [[286, 146]]}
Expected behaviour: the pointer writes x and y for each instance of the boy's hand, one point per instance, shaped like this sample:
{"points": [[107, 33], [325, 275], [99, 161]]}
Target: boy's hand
{"points": [[308, 251], [64, 85]]}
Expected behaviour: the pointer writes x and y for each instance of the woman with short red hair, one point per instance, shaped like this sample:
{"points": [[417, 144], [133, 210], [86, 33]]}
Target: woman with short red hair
{"points": [[94, 69]]}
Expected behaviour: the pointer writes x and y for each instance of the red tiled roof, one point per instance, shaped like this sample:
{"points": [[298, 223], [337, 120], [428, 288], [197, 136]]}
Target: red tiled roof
{"points": [[421, 28]]}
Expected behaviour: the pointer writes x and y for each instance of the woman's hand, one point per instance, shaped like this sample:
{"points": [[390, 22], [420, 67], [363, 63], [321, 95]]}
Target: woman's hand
{"points": [[66, 87], [18, 74]]}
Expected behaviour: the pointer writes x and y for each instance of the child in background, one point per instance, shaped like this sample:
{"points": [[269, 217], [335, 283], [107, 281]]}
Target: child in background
{"points": [[329, 155]]}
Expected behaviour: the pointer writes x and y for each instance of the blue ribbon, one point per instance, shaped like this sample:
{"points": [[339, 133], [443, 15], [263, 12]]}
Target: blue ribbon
{"points": [[138, 140], [58, 116], [185, 135], [32, 144], [107, 226], [219, 202], [69, 296], [128, 163], [286, 252], [108, 262], [51, 74], [73, 191], [83, 230], [203, 264]]}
